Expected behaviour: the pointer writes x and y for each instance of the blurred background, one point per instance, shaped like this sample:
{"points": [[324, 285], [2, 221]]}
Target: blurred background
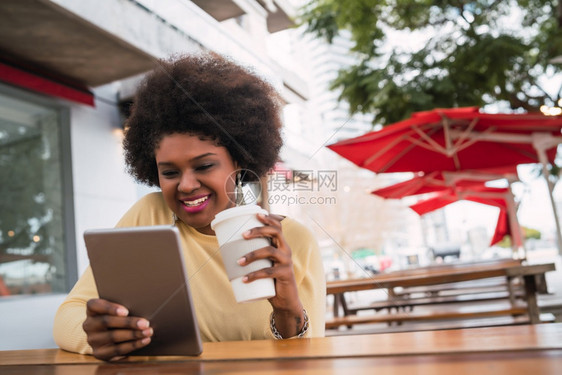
{"points": [[68, 75]]}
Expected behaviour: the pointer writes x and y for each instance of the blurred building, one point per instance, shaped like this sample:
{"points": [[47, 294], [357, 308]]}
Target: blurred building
{"points": [[337, 205]]}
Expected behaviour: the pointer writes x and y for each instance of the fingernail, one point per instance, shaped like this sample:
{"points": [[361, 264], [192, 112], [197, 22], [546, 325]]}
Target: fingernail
{"points": [[148, 332], [142, 324], [246, 233], [241, 261], [244, 279], [261, 216], [145, 341], [121, 311]]}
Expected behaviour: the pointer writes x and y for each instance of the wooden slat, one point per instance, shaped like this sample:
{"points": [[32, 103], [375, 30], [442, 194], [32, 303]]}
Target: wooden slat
{"points": [[435, 276], [535, 269], [475, 340], [397, 303], [434, 325], [468, 313], [546, 362], [486, 285]]}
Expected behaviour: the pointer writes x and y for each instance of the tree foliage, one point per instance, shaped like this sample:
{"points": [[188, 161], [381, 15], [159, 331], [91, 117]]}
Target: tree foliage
{"points": [[31, 219], [528, 233], [470, 53]]}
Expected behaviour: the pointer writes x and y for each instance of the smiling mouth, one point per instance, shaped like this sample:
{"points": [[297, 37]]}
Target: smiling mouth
{"points": [[196, 202]]}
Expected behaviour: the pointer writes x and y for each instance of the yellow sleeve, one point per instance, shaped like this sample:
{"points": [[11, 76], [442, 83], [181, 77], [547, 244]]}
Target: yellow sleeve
{"points": [[67, 329], [309, 274]]}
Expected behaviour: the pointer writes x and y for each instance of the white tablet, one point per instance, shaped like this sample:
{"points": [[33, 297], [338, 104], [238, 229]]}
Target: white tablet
{"points": [[142, 268]]}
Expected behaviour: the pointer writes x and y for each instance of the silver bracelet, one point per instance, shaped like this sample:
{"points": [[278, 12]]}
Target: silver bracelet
{"points": [[276, 333]]}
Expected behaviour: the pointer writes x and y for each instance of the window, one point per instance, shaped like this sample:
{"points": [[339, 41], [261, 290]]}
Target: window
{"points": [[34, 245]]}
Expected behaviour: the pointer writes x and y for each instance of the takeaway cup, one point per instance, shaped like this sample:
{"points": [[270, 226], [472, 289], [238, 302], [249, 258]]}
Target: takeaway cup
{"points": [[229, 226]]}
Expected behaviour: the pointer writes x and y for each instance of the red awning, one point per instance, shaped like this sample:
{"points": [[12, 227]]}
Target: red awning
{"points": [[31, 81]]}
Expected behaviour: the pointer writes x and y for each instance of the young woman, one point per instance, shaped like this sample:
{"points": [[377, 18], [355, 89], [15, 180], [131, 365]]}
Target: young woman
{"points": [[195, 122]]}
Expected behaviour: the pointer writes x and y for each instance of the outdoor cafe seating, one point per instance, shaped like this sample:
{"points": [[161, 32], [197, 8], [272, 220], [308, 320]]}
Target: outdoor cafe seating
{"points": [[445, 251], [443, 296], [467, 343], [466, 317]]}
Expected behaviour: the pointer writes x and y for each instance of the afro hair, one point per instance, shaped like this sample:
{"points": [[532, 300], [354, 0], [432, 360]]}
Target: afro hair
{"points": [[210, 96]]}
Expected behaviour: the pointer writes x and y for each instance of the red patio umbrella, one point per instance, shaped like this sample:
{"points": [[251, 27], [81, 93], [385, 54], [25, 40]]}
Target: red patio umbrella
{"points": [[453, 140], [440, 200], [434, 182], [471, 184], [458, 139], [497, 197], [502, 228]]}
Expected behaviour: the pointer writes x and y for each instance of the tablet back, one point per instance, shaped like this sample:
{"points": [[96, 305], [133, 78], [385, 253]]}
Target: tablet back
{"points": [[142, 268]]}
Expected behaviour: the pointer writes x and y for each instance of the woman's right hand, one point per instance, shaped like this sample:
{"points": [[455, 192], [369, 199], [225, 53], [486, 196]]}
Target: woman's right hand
{"points": [[111, 332]]}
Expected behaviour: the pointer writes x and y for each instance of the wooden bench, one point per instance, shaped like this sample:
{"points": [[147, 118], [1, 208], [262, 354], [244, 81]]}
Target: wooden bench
{"points": [[410, 303], [470, 287], [435, 325], [465, 312]]}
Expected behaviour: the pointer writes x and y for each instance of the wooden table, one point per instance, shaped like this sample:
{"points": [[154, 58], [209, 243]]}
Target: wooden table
{"points": [[449, 274], [529, 349]]}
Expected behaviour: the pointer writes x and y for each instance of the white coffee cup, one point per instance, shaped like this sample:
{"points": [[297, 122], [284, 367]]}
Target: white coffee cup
{"points": [[229, 226]]}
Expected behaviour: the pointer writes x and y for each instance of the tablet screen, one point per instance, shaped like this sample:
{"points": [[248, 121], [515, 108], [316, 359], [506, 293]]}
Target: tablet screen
{"points": [[142, 268]]}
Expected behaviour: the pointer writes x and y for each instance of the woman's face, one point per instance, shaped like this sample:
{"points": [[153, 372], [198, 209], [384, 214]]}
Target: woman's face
{"points": [[193, 174]]}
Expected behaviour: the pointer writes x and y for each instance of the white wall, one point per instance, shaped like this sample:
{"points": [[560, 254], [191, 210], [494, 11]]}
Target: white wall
{"points": [[103, 191], [26, 321]]}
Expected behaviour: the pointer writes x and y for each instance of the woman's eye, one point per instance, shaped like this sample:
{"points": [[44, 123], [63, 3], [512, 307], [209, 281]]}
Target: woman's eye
{"points": [[204, 167], [168, 173]]}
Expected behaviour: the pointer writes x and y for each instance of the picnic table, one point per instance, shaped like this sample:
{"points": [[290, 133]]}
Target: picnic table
{"points": [[521, 284]]}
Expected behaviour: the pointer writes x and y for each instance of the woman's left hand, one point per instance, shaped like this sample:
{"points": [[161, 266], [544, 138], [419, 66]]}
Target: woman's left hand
{"points": [[288, 309]]}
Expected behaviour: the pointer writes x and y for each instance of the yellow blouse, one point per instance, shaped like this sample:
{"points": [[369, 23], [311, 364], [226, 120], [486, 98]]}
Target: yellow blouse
{"points": [[219, 316]]}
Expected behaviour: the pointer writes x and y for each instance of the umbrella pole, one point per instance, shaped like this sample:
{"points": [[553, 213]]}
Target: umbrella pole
{"points": [[544, 161], [515, 228]]}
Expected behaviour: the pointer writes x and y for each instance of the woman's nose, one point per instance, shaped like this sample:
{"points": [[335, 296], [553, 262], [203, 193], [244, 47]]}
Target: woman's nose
{"points": [[188, 183]]}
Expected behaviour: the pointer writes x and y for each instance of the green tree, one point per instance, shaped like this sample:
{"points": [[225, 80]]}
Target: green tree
{"points": [[472, 53], [31, 214], [528, 233]]}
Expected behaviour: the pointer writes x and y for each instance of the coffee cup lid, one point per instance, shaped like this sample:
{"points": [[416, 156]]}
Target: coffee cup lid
{"points": [[237, 211]]}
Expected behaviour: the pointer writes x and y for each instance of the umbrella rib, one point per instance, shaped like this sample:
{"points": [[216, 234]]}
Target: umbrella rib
{"points": [[447, 135], [383, 150], [475, 138], [417, 142], [509, 137], [470, 143], [466, 133], [413, 142], [398, 156], [405, 137], [402, 191], [467, 144], [530, 155], [456, 161], [432, 178], [429, 140]]}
